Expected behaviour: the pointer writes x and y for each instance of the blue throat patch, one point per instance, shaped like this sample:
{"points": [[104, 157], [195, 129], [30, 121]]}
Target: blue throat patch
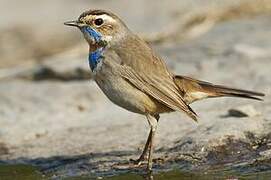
{"points": [[94, 57], [93, 33]]}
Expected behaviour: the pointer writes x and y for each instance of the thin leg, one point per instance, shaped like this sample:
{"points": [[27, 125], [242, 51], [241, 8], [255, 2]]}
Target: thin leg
{"points": [[146, 147], [153, 124], [143, 155]]}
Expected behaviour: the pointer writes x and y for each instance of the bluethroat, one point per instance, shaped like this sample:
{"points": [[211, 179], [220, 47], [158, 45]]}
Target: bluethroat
{"points": [[134, 77]]}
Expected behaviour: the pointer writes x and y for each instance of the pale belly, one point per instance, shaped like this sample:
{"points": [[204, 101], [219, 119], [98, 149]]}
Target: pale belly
{"points": [[125, 95]]}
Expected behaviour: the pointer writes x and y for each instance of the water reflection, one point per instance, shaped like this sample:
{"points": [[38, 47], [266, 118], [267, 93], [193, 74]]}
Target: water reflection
{"points": [[177, 175], [11, 172]]}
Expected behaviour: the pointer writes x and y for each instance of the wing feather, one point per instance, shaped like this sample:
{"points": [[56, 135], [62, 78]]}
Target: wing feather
{"points": [[158, 88], [146, 71]]}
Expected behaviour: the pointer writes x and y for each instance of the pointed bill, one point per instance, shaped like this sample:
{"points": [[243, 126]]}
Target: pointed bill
{"points": [[73, 23]]}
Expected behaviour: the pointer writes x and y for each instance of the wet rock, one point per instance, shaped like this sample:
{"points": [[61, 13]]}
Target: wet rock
{"points": [[229, 151], [266, 154]]}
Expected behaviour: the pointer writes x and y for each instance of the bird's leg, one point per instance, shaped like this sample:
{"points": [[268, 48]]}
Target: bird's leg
{"points": [[143, 155], [146, 147], [153, 124]]}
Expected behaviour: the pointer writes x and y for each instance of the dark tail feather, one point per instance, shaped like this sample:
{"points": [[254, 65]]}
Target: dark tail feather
{"points": [[226, 91], [194, 90]]}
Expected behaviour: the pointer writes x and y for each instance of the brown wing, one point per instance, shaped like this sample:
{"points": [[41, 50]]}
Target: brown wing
{"points": [[162, 89], [141, 67], [194, 90]]}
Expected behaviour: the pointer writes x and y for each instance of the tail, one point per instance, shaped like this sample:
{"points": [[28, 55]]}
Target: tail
{"points": [[194, 90]]}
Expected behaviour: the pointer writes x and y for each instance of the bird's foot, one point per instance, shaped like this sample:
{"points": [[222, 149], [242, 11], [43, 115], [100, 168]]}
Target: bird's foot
{"points": [[128, 165], [138, 161]]}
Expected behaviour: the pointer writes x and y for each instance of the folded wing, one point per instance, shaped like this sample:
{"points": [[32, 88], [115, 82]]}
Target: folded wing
{"points": [[160, 88]]}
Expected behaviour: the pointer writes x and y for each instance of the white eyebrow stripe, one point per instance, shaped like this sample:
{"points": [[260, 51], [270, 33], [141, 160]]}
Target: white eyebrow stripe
{"points": [[105, 18]]}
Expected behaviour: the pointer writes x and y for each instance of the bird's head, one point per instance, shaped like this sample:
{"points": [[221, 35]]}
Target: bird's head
{"points": [[100, 28]]}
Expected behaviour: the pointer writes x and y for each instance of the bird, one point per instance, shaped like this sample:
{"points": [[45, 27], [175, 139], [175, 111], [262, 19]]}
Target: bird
{"points": [[133, 76]]}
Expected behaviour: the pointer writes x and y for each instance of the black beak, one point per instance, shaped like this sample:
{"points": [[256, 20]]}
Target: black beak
{"points": [[73, 23]]}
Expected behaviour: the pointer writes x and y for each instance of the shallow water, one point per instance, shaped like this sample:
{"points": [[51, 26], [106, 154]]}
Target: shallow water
{"points": [[24, 172], [13, 172], [177, 175]]}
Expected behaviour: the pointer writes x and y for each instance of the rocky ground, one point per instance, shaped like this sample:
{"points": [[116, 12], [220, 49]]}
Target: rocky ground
{"points": [[52, 115]]}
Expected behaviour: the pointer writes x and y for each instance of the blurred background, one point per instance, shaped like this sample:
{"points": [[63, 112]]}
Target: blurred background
{"points": [[51, 110], [33, 30]]}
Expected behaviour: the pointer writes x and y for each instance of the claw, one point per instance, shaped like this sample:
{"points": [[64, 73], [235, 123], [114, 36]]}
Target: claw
{"points": [[138, 161]]}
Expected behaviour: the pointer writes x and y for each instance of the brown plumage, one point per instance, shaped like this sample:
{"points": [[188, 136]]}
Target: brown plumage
{"points": [[190, 87], [132, 76], [151, 76]]}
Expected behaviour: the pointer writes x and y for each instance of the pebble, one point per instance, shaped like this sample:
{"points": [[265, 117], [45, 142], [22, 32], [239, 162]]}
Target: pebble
{"points": [[244, 111]]}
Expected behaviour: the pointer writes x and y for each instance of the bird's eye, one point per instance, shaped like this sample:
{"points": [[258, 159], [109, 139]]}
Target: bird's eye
{"points": [[98, 22]]}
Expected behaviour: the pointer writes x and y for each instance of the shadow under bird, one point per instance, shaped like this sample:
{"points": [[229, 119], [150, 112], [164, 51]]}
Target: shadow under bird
{"points": [[134, 77]]}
